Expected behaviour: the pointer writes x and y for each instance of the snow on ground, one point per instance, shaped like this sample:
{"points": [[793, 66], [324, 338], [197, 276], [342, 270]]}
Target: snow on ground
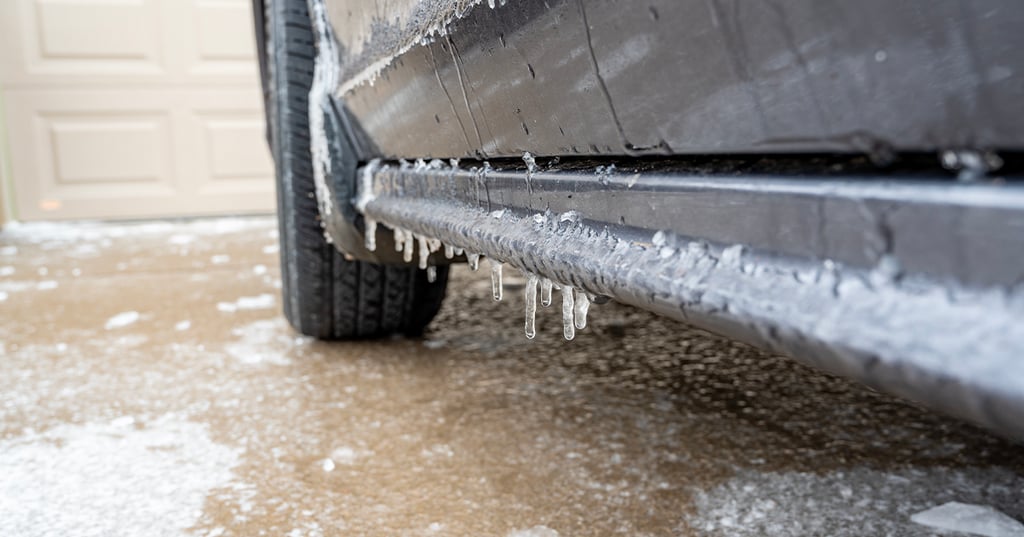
{"points": [[969, 518], [259, 302], [847, 503], [262, 342], [127, 477], [121, 320], [536, 531], [180, 233]]}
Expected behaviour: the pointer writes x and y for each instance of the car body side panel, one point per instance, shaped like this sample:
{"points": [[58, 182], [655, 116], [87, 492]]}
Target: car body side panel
{"points": [[570, 77]]}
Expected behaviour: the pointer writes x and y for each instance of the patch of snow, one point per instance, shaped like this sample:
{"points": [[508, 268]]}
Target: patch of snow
{"points": [[969, 518], [122, 319], [442, 450], [3, 296], [46, 285], [123, 421], [8, 250], [259, 270], [434, 344], [262, 342], [180, 239], [85, 250], [220, 259], [271, 249], [74, 479], [536, 531], [263, 301], [327, 465], [78, 232], [6, 270], [134, 340], [16, 286], [344, 455], [181, 326], [852, 502]]}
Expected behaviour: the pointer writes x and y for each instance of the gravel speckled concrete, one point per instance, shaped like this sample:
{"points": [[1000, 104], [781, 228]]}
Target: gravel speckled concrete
{"points": [[149, 386]]}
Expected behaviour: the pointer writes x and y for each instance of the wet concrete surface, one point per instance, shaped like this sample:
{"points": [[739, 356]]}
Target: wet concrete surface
{"points": [[150, 386]]}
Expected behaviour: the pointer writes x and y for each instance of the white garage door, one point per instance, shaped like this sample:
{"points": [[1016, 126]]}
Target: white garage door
{"points": [[132, 108]]}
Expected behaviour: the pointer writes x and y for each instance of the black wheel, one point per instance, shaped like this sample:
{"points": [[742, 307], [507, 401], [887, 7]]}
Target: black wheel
{"points": [[325, 295]]}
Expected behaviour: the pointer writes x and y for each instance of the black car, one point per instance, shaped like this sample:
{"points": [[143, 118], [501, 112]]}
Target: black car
{"points": [[836, 181]]}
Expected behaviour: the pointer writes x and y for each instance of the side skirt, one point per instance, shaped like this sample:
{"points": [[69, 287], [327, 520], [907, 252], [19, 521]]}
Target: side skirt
{"points": [[910, 285]]}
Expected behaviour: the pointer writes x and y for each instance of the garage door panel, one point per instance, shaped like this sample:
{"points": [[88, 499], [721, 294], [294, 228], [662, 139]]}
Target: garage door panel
{"points": [[96, 29], [106, 153], [229, 148], [223, 43], [110, 149], [225, 30], [88, 150]]}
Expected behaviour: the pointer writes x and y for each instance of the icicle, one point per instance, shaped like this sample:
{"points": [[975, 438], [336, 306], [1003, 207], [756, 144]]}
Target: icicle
{"points": [[431, 274], [531, 163], [433, 245], [371, 234], [474, 261], [582, 306], [459, 251], [531, 306], [568, 326], [407, 247], [399, 239], [545, 292], [449, 251], [496, 287], [424, 251]]}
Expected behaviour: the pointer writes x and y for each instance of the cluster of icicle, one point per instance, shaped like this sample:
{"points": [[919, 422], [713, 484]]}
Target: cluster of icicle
{"points": [[575, 302], [575, 305]]}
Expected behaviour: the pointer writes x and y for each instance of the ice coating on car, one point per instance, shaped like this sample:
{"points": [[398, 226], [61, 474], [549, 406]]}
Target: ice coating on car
{"points": [[531, 305], [371, 234], [531, 163], [581, 308], [424, 251], [364, 192], [399, 238], [407, 248], [740, 290], [325, 79], [374, 41], [497, 289], [568, 313]]}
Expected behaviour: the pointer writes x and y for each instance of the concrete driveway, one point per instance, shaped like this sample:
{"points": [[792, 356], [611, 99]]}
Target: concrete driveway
{"points": [[149, 386]]}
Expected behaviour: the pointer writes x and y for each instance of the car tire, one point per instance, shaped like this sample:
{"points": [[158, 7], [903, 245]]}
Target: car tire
{"points": [[326, 295]]}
